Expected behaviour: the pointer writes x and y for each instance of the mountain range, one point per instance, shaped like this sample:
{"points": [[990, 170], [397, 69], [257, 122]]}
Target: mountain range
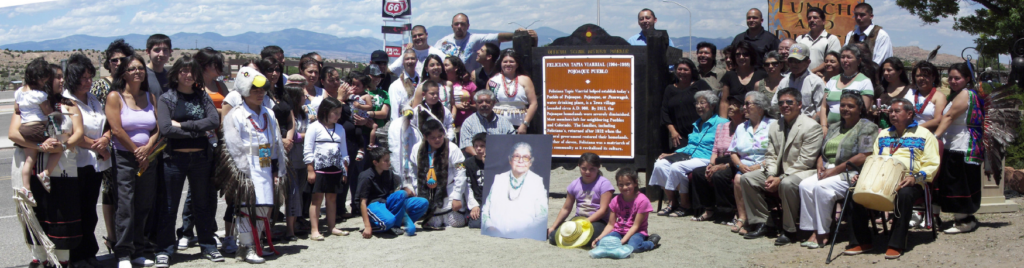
{"points": [[295, 42]]}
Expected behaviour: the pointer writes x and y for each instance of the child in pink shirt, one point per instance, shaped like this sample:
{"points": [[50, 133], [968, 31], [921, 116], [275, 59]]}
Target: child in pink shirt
{"points": [[629, 213]]}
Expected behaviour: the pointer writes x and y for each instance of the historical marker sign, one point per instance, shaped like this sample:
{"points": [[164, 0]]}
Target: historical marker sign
{"points": [[588, 104]]}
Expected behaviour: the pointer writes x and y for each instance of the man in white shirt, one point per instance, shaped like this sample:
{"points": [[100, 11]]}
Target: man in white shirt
{"points": [[422, 49], [866, 32], [646, 19], [463, 44], [818, 40], [811, 87], [397, 93]]}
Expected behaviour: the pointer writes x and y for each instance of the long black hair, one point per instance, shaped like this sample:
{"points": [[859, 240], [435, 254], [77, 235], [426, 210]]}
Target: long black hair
{"points": [[509, 53], [209, 57], [460, 69], [293, 92], [755, 59], [119, 83], [426, 75], [268, 65], [56, 95], [440, 156], [897, 65], [326, 106], [185, 64]]}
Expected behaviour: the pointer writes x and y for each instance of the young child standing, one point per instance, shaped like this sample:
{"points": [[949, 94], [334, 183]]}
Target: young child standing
{"points": [[33, 106], [326, 156], [629, 213], [362, 103], [591, 194], [383, 208]]}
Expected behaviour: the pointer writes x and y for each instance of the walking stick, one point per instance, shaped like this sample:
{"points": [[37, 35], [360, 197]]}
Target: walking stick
{"points": [[835, 233]]}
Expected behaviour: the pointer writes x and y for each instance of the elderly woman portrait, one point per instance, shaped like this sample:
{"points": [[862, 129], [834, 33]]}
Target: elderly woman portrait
{"points": [[517, 204], [671, 170]]}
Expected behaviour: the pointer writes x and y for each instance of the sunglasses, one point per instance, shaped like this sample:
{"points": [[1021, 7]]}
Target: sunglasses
{"points": [[749, 104], [772, 64], [787, 102], [134, 69]]}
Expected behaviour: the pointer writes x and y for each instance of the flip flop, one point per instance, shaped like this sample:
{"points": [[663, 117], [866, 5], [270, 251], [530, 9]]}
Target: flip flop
{"points": [[339, 232], [678, 213], [665, 211]]}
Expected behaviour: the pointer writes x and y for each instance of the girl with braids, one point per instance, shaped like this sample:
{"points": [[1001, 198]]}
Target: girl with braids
{"points": [[438, 175]]}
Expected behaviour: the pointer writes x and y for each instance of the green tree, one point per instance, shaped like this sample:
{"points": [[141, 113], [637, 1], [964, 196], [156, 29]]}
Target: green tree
{"points": [[990, 61], [998, 23]]}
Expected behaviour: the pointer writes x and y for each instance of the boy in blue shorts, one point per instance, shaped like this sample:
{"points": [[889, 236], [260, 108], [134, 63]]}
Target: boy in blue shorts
{"points": [[383, 207]]}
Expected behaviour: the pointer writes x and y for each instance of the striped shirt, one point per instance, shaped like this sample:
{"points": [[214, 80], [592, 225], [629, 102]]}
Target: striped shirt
{"points": [[476, 123]]}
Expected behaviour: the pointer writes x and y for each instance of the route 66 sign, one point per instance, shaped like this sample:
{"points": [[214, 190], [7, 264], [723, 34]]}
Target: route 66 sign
{"points": [[396, 8]]}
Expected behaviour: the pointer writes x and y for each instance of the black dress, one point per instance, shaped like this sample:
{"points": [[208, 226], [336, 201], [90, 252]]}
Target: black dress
{"points": [[737, 89], [679, 107]]}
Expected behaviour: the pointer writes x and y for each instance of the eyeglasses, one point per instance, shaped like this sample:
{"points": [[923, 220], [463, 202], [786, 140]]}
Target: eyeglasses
{"points": [[749, 104], [521, 158], [134, 69], [895, 110], [772, 64], [787, 102]]}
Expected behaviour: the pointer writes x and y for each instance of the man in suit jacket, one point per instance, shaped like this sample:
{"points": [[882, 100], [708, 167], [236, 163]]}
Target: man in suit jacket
{"points": [[796, 143]]}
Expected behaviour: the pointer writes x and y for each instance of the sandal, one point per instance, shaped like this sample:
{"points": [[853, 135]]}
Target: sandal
{"points": [[339, 232], [704, 217], [665, 211], [27, 196], [316, 237], [678, 213], [44, 177]]}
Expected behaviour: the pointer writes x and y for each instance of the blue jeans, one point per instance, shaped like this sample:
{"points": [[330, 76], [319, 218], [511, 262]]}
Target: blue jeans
{"points": [[384, 216], [178, 167], [638, 241]]}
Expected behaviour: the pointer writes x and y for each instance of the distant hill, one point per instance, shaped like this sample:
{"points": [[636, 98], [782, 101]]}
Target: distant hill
{"points": [[295, 42], [544, 34], [684, 42]]}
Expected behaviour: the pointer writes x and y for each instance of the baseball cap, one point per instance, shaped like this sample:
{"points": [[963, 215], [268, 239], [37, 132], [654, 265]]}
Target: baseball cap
{"points": [[379, 56], [799, 51]]}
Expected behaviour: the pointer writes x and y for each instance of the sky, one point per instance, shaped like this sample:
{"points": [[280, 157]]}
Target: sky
{"points": [[23, 20]]}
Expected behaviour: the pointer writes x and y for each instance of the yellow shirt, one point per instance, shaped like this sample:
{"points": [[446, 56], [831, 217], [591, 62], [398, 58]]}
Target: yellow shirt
{"points": [[917, 149]]}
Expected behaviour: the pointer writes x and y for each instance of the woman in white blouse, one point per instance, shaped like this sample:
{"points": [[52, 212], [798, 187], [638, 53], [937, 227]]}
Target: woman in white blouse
{"points": [[326, 156]]}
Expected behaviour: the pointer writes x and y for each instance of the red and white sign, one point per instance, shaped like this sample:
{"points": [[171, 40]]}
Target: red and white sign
{"points": [[393, 52], [396, 8]]}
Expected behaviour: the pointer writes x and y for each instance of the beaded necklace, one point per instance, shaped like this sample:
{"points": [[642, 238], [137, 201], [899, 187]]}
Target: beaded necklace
{"points": [[515, 87]]}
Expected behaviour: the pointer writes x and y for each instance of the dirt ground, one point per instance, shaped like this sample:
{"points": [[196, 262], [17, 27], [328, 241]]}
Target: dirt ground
{"points": [[997, 243]]}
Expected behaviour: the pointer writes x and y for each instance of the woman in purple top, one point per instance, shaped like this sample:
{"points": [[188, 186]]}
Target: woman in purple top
{"points": [[591, 194], [132, 118]]}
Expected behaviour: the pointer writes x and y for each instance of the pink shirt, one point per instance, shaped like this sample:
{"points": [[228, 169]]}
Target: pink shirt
{"points": [[722, 140], [626, 212], [461, 115]]}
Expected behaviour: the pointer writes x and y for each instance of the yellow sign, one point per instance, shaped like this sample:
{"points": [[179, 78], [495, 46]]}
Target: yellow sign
{"points": [[788, 18]]}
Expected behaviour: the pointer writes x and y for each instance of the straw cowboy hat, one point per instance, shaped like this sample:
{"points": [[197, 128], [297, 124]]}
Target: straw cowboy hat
{"points": [[574, 233]]}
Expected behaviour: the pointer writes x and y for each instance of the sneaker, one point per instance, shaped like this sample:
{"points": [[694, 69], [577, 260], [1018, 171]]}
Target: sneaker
{"points": [[230, 247], [858, 250], [962, 226], [142, 261], [397, 231], [654, 238], [916, 220], [213, 256], [124, 262], [217, 239], [183, 243], [252, 257], [162, 261], [893, 253]]}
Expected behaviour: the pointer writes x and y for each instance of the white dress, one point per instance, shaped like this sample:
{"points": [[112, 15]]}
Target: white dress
{"points": [[28, 103], [512, 212], [512, 100], [918, 101]]}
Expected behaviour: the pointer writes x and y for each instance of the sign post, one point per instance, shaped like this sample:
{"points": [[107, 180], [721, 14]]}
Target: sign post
{"points": [[397, 24], [588, 104]]}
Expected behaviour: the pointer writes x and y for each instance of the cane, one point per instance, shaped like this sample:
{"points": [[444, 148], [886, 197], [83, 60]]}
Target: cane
{"points": [[846, 202]]}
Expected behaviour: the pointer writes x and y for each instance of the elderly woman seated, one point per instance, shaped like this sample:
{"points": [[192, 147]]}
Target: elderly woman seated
{"points": [[748, 149], [714, 188], [842, 154], [671, 170]]}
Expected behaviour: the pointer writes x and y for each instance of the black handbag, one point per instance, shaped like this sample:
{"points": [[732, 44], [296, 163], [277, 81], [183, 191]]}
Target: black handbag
{"points": [[677, 157]]}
